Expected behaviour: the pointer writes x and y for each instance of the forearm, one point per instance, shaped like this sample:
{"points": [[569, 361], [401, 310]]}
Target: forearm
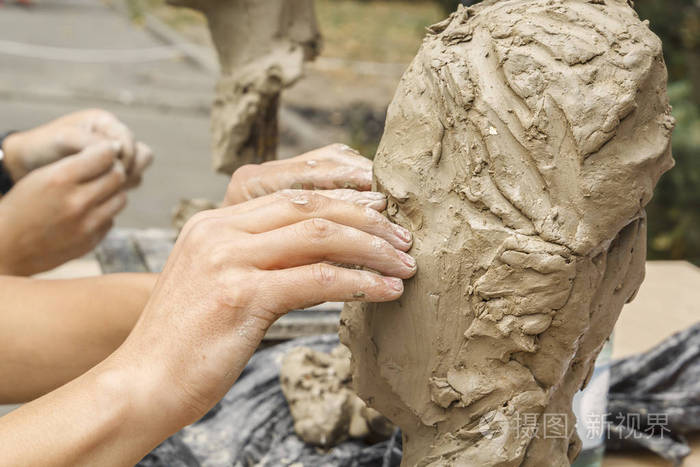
{"points": [[54, 331], [108, 417]]}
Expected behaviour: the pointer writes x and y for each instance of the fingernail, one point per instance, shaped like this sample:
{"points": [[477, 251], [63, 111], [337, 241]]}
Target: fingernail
{"points": [[377, 205], [394, 283], [407, 259], [374, 195], [116, 146], [402, 233]]}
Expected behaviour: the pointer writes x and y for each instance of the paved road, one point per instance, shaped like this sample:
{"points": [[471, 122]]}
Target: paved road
{"points": [[164, 101]]}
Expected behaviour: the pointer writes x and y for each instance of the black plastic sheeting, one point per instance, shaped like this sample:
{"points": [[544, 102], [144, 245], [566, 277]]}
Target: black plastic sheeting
{"points": [[654, 398], [252, 425]]}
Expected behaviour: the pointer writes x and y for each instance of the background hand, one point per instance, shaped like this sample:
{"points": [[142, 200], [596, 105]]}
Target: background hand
{"points": [[61, 211], [328, 168], [26, 151]]}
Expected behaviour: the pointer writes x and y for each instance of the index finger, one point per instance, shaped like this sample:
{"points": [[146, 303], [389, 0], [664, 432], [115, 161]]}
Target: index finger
{"points": [[289, 208]]}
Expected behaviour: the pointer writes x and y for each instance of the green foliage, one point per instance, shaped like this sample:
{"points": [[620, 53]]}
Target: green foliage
{"points": [[451, 5], [677, 23], [674, 213], [136, 10]]}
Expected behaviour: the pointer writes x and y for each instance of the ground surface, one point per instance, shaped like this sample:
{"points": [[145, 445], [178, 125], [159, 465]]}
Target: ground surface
{"points": [[65, 55], [165, 102]]}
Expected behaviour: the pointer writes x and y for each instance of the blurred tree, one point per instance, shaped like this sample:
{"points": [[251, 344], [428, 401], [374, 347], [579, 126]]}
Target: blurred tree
{"points": [[674, 213], [451, 5]]}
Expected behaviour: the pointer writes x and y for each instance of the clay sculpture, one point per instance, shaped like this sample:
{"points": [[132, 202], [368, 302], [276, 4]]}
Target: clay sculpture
{"points": [[521, 147], [262, 47]]}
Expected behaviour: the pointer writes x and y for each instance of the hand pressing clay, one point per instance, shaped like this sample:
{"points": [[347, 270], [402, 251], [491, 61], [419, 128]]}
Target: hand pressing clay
{"points": [[521, 147], [326, 411], [262, 46]]}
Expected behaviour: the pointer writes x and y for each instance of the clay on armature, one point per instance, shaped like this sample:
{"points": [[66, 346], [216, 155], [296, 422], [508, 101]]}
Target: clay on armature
{"points": [[325, 409], [521, 147], [262, 47]]}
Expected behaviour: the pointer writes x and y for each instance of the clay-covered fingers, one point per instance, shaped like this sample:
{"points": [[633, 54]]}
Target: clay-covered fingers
{"points": [[371, 199], [347, 155], [328, 174], [142, 160], [321, 240], [305, 286], [291, 207], [340, 153], [89, 163], [332, 167], [110, 127]]}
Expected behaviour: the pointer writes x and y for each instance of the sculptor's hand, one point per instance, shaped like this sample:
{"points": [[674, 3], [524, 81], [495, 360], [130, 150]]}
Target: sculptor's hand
{"points": [[328, 168], [28, 150], [61, 211], [235, 270]]}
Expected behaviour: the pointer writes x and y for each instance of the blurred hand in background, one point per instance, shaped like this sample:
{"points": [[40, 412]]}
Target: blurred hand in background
{"points": [[29, 150], [61, 211]]}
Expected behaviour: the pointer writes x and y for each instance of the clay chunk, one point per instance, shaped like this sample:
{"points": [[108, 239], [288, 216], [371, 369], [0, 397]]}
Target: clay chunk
{"points": [[326, 411], [521, 147]]}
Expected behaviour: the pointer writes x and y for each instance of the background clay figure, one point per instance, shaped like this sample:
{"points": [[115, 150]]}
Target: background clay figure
{"points": [[521, 147], [262, 47]]}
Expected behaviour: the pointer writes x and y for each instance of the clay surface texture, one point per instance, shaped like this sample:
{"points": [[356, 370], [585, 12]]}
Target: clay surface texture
{"points": [[262, 46], [325, 409], [521, 147]]}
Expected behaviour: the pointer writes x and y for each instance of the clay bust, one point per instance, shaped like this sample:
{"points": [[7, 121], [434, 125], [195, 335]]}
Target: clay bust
{"points": [[262, 46], [521, 147]]}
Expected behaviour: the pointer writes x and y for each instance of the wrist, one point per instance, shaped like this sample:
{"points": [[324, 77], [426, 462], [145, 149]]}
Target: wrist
{"points": [[135, 395], [146, 382], [124, 413]]}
